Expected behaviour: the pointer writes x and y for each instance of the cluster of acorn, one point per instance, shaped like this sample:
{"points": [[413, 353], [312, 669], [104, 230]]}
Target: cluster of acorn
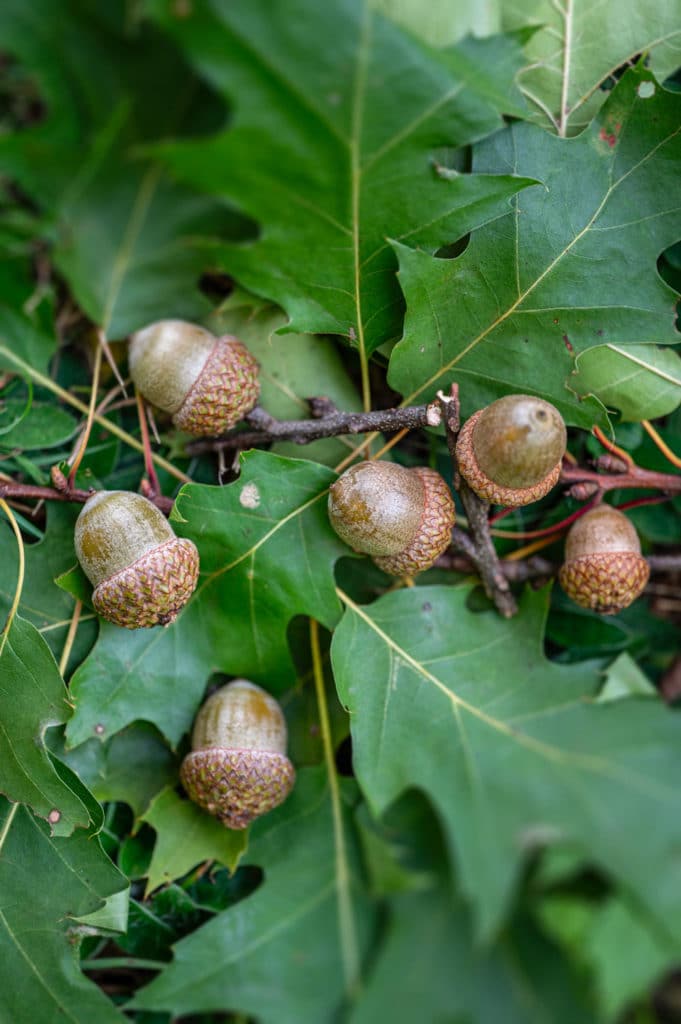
{"points": [[509, 453]]}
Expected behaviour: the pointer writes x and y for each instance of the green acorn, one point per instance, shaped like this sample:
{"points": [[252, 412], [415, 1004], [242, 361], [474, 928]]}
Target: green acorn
{"points": [[238, 768], [603, 569], [510, 452], [142, 573], [402, 517], [208, 384]]}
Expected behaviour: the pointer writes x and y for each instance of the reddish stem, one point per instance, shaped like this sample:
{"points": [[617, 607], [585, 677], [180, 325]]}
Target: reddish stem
{"points": [[555, 528], [635, 478], [612, 447], [153, 487], [637, 502]]}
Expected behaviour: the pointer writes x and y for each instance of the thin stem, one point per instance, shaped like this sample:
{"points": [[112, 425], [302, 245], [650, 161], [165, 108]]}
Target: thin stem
{"points": [[390, 444], [70, 637], [534, 566], [548, 530], [356, 182], [612, 447], [85, 436], [20, 574], [348, 934], [106, 349], [146, 443], [8, 824], [377, 455], [108, 963], [530, 549], [566, 14], [75, 403], [662, 445]]}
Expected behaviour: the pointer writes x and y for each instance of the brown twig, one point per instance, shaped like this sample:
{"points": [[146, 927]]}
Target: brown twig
{"points": [[73, 494], [635, 477], [515, 572], [465, 561], [485, 559], [331, 423]]}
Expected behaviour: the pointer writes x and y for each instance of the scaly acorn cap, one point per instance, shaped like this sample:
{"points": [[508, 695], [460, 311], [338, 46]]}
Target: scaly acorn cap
{"points": [[142, 573], [238, 768], [604, 569], [510, 452], [402, 517], [208, 384]]}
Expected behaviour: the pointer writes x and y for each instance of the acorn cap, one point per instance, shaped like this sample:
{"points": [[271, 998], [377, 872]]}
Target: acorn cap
{"points": [[510, 452], [237, 786], [604, 569], [142, 573], [433, 534], [227, 388], [402, 517], [153, 590], [238, 768], [206, 383]]}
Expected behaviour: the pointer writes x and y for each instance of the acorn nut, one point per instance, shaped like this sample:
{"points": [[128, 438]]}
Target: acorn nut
{"points": [[604, 569], [402, 517], [142, 573], [208, 384], [238, 768], [510, 452]]}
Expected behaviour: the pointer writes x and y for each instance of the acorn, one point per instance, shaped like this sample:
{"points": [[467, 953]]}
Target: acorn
{"points": [[142, 573], [208, 384], [510, 452], [238, 768], [604, 569], [402, 517]]}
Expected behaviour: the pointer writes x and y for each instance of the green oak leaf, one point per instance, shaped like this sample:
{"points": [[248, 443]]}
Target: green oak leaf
{"points": [[332, 151], [43, 426], [267, 554], [624, 953], [32, 698], [132, 766], [292, 368], [186, 836], [579, 44], [442, 22], [47, 885], [43, 602], [123, 235], [291, 951], [25, 317], [429, 969], [428, 966], [574, 267], [642, 381], [624, 678], [515, 752]]}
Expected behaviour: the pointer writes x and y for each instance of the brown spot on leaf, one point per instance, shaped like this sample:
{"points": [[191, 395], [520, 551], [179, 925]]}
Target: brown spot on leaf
{"points": [[568, 344], [610, 133], [54, 816], [99, 729]]}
